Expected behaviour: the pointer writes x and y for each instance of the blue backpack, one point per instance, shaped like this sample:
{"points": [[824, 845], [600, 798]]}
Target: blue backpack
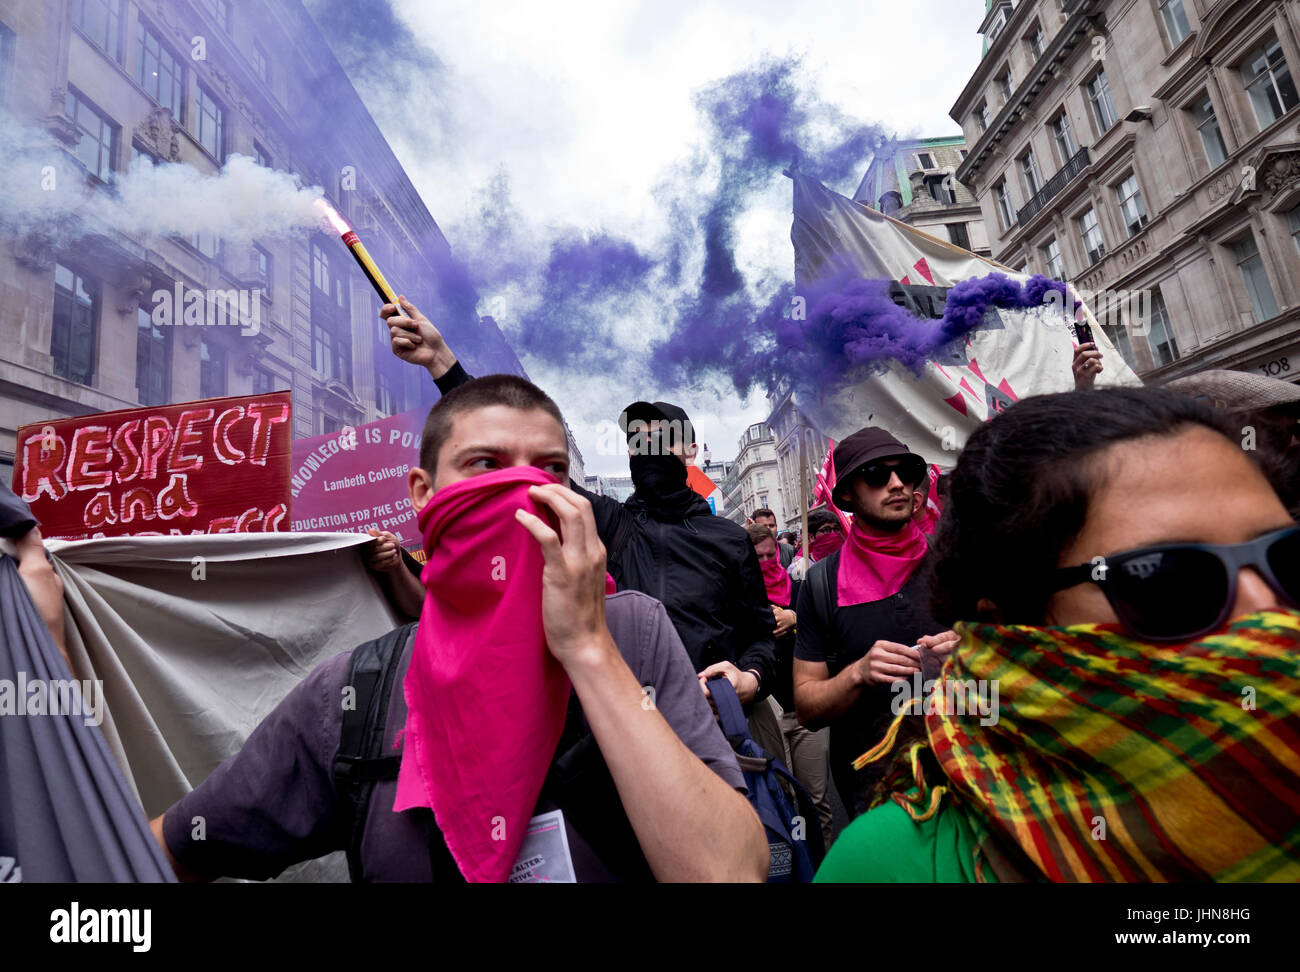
{"points": [[794, 834]]}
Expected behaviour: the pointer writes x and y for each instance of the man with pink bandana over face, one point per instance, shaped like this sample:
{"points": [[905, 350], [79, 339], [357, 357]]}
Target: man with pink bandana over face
{"points": [[517, 649]]}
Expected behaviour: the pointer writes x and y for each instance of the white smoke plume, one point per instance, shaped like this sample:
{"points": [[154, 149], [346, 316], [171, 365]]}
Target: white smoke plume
{"points": [[45, 192]]}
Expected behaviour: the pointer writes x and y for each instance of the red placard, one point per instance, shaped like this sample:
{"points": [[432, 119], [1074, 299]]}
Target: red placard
{"points": [[355, 480], [216, 466]]}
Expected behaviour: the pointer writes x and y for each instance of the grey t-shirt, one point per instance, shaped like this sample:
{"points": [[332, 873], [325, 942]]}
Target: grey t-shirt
{"points": [[273, 803]]}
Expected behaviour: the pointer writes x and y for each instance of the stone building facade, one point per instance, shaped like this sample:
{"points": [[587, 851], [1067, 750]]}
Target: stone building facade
{"points": [[1148, 151], [914, 182], [754, 481], [191, 82]]}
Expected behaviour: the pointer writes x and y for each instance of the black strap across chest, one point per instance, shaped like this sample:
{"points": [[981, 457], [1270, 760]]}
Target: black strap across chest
{"points": [[578, 781]]}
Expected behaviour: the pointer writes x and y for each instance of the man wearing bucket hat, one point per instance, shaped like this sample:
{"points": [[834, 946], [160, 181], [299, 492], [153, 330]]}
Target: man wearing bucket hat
{"points": [[864, 619]]}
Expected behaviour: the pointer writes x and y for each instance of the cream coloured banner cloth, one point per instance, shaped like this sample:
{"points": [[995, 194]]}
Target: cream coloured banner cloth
{"points": [[197, 638]]}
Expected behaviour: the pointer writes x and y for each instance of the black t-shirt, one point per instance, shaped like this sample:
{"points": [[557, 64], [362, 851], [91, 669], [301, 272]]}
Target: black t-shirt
{"points": [[843, 638]]}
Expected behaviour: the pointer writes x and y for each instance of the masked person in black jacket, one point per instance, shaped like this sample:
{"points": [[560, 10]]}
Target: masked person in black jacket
{"points": [[664, 541]]}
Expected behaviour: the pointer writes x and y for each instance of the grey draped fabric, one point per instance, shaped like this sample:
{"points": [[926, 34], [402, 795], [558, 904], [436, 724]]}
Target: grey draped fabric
{"points": [[66, 811], [197, 639]]}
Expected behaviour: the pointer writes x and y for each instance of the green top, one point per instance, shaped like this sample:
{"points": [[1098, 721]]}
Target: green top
{"points": [[886, 845]]}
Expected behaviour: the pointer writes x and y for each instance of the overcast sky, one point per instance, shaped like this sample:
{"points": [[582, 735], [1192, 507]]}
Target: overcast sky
{"points": [[586, 106]]}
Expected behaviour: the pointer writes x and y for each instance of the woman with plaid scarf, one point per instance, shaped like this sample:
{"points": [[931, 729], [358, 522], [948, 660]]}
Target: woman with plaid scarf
{"points": [[1124, 702]]}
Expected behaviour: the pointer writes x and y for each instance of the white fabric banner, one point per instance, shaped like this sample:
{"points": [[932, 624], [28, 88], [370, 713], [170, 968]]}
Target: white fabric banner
{"points": [[196, 639], [1013, 354]]}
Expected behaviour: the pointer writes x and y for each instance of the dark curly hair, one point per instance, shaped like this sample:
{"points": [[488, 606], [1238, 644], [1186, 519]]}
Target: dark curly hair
{"points": [[1019, 493]]}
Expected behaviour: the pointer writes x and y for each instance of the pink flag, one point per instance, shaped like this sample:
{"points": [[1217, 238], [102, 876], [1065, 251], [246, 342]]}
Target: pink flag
{"points": [[825, 486]]}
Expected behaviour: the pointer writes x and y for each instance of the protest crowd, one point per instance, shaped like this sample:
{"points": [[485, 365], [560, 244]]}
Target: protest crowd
{"points": [[594, 690]]}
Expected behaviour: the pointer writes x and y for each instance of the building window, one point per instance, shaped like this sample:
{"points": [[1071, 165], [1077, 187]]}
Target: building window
{"points": [[153, 360], [1160, 333], [1002, 196], [263, 382], [261, 62], [1268, 79], [1037, 42], [1103, 106], [925, 160], [210, 125], [261, 156], [98, 136], [1175, 18], [331, 334], [982, 115], [941, 189], [101, 21], [209, 244], [962, 153], [1052, 257], [1131, 206], [1090, 233], [220, 9], [1255, 277], [212, 369], [959, 235], [329, 425], [159, 71], [1203, 117], [1029, 169], [6, 59], [76, 313], [1006, 85], [995, 28], [262, 267], [1063, 137], [1293, 220], [1119, 337], [388, 392]]}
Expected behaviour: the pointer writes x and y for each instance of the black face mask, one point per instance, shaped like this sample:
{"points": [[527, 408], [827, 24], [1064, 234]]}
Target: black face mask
{"points": [[660, 480], [659, 475]]}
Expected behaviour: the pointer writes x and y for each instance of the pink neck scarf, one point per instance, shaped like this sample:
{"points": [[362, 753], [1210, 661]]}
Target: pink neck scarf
{"points": [[486, 697], [823, 546], [872, 568], [776, 580]]}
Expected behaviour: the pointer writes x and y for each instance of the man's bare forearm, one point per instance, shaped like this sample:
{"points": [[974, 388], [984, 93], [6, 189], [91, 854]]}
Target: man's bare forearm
{"points": [[405, 590], [691, 825], [820, 701]]}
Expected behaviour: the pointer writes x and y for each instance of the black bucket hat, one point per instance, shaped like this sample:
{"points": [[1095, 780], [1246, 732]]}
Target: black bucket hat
{"points": [[864, 446]]}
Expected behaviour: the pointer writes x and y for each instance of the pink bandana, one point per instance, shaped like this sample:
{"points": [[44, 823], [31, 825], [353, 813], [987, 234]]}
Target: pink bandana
{"points": [[487, 699], [776, 580], [823, 546], [872, 568], [928, 518]]}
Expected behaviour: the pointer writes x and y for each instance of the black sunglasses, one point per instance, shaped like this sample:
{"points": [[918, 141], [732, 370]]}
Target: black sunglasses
{"points": [[911, 471], [1181, 591]]}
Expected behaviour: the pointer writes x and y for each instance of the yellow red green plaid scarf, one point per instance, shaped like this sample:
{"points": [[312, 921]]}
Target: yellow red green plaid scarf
{"points": [[1117, 760]]}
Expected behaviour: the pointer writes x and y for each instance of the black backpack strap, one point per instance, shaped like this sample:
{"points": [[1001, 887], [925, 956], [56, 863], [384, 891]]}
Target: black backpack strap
{"points": [[361, 761], [619, 540], [822, 588]]}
